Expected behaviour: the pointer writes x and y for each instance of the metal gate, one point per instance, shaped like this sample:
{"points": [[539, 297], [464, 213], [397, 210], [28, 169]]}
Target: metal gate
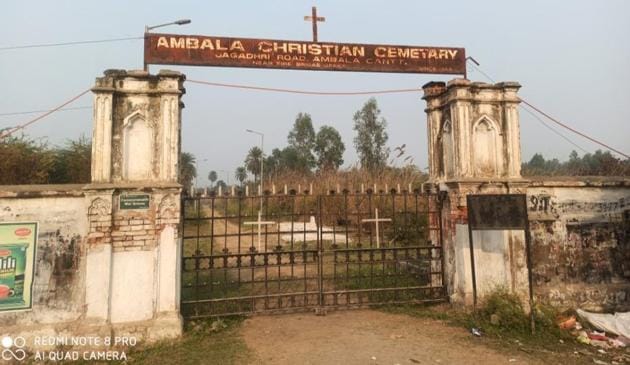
{"points": [[297, 251]]}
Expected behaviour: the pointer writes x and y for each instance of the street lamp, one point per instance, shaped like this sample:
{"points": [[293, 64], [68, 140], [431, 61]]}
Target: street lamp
{"points": [[262, 155], [177, 22], [149, 28]]}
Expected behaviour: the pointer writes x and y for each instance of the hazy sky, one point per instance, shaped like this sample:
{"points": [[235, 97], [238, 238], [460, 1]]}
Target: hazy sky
{"points": [[572, 58]]}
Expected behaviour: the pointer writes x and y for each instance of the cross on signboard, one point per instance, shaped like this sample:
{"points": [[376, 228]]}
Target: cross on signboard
{"points": [[376, 221], [259, 223], [314, 18]]}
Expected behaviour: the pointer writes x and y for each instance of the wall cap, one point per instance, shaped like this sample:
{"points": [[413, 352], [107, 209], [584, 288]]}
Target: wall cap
{"points": [[41, 190]]}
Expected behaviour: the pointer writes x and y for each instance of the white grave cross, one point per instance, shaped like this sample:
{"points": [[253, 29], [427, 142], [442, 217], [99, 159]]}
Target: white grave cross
{"points": [[376, 221], [259, 223]]}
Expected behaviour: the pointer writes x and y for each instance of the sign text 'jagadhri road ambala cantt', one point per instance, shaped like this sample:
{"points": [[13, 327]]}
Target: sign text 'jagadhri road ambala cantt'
{"points": [[196, 50]]}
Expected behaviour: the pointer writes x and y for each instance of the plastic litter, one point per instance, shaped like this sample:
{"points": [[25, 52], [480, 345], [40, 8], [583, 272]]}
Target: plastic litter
{"points": [[599, 336], [583, 338], [599, 343], [568, 324], [475, 332], [618, 323], [616, 343]]}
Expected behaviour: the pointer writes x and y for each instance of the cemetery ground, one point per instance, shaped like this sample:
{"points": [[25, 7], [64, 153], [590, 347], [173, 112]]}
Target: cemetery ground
{"points": [[412, 334]]}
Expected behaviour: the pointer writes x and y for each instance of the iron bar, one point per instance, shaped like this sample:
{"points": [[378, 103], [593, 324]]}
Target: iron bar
{"points": [[329, 262]]}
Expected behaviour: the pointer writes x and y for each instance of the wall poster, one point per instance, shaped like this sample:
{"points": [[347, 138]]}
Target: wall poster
{"points": [[17, 265]]}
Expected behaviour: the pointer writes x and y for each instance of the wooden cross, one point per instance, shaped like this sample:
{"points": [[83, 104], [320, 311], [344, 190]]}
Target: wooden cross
{"points": [[314, 18], [259, 223], [376, 221]]}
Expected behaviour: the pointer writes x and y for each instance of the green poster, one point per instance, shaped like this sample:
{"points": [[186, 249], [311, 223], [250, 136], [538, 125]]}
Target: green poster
{"points": [[17, 259]]}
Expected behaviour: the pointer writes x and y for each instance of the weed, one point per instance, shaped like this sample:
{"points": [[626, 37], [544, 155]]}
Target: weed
{"points": [[215, 341], [501, 315]]}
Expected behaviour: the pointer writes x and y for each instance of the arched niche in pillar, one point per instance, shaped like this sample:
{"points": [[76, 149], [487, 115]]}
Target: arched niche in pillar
{"points": [[448, 159], [138, 139], [485, 147]]}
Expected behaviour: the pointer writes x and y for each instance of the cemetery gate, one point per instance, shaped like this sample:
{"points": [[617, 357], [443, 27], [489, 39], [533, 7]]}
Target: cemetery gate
{"points": [[297, 251]]}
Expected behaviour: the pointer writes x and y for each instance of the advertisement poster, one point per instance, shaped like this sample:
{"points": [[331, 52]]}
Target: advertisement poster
{"points": [[17, 260]]}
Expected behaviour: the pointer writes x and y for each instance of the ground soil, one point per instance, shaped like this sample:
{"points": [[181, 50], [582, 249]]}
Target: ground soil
{"points": [[368, 337]]}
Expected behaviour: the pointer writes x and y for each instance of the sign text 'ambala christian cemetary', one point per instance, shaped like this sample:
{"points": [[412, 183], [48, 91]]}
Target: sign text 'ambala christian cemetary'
{"points": [[194, 50]]}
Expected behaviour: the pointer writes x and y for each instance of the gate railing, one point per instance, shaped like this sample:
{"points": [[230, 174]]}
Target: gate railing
{"points": [[309, 251]]}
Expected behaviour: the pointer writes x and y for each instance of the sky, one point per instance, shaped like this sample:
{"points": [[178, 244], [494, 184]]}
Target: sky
{"points": [[571, 57]]}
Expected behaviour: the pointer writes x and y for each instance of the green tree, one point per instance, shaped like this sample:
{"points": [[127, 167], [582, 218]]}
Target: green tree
{"points": [[329, 148], [371, 136], [252, 162], [241, 175], [212, 176], [285, 160], [187, 170], [222, 184], [598, 163], [24, 161], [537, 163], [302, 139], [73, 162]]}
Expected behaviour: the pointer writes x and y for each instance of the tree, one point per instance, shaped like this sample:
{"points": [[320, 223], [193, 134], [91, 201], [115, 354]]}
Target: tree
{"points": [[241, 175], [187, 170], [598, 163], [24, 161], [329, 149], [285, 160], [212, 176], [302, 139], [371, 136], [73, 163], [252, 162], [222, 184]]}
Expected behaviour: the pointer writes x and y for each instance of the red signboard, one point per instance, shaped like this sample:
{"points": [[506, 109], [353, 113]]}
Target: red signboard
{"points": [[195, 50]]}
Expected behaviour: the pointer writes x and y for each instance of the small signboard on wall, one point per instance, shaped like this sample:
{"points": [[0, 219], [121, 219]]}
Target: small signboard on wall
{"points": [[18, 243], [497, 211], [135, 201]]}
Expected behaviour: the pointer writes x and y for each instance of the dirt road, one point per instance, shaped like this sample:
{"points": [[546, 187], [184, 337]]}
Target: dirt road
{"points": [[366, 337]]}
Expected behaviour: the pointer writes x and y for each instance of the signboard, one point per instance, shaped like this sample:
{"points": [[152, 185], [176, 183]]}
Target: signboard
{"points": [[196, 50], [17, 265], [504, 211], [136, 201]]}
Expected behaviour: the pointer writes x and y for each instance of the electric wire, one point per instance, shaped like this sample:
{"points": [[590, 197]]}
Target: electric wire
{"points": [[304, 92], [24, 125], [538, 119], [560, 123], [336, 93], [574, 130], [42, 45], [553, 129], [42, 111]]}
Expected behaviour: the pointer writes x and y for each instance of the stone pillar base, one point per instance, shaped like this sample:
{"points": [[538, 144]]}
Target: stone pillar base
{"points": [[165, 326]]}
